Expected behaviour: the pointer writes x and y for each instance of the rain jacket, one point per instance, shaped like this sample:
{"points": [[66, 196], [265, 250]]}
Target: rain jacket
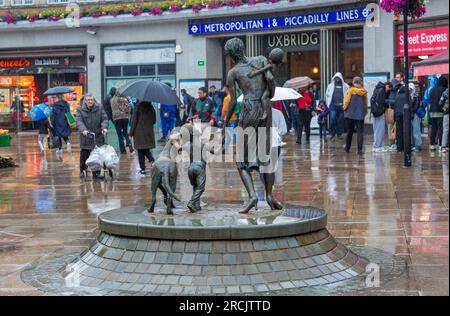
{"points": [[436, 94], [93, 120], [355, 104], [58, 120], [426, 97], [330, 88]]}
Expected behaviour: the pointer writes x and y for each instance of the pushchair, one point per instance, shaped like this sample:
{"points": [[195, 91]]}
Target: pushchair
{"points": [[103, 159]]}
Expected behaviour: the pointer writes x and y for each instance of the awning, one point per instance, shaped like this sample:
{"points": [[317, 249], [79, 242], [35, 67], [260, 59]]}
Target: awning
{"points": [[39, 53], [436, 64]]}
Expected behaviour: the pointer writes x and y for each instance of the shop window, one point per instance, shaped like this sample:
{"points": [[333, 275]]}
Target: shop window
{"points": [[130, 71], [148, 70], [113, 71], [166, 69], [21, 2]]}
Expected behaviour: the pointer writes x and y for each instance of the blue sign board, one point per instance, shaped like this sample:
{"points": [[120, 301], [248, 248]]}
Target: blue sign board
{"points": [[311, 19]]}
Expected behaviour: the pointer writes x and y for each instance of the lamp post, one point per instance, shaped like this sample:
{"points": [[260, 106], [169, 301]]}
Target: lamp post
{"points": [[407, 106]]}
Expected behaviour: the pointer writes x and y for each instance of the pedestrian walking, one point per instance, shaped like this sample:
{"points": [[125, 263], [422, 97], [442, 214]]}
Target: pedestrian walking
{"points": [[217, 98], [229, 132], [415, 119], [144, 117], [322, 118], [60, 126], [390, 115], [355, 109], [121, 109], [437, 113], [92, 123], [400, 100], [445, 133], [44, 127], [107, 103], [203, 108], [335, 93], [378, 107], [188, 101], [305, 112], [168, 119]]}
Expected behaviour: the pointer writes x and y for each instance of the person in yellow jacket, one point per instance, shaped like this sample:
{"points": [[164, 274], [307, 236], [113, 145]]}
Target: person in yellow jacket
{"points": [[355, 110]]}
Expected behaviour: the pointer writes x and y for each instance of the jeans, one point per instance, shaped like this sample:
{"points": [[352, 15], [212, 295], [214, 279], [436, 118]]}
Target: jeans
{"points": [[436, 130], [142, 154], [379, 130], [294, 115], [445, 131], [122, 133], [416, 135], [230, 133], [323, 130], [351, 129], [337, 122], [303, 122]]}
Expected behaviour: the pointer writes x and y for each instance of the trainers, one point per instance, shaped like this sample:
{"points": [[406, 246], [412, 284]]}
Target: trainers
{"points": [[59, 152], [432, 148], [142, 173], [82, 174], [69, 147]]}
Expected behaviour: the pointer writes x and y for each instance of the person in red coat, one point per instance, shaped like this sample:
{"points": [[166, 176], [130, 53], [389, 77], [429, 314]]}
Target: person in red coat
{"points": [[305, 112]]}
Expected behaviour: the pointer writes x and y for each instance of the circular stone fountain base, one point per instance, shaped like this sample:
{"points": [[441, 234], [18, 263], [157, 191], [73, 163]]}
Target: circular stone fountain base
{"points": [[216, 251]]}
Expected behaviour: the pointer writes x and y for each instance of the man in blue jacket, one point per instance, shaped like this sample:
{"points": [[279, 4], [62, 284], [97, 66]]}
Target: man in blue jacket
{"points": [[167, 113]]}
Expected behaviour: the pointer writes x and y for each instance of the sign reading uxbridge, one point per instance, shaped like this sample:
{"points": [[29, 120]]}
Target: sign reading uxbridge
{"points": [[342, 16]]}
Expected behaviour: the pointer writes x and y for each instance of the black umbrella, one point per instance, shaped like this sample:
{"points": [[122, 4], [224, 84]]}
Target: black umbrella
{"points": [[58, 90], [150, 91]]}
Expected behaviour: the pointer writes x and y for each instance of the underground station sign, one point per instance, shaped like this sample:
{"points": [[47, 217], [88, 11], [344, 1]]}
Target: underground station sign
{"points": [[342, 16]]}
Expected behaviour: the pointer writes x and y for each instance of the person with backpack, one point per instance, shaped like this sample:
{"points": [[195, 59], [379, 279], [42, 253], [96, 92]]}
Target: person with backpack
{"points": [[378, 106], [437, 113]]}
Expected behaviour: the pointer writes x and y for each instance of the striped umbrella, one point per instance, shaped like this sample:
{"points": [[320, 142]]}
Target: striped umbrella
{"points": [[298, 83]]}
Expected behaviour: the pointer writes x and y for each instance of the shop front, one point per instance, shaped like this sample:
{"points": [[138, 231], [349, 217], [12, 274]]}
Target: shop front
{"points": [[317, 42], [26, 74], [426, 40]]}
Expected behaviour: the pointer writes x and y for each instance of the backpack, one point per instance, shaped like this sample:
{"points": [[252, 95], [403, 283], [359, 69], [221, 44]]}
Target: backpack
{"points": [[375, 108]]}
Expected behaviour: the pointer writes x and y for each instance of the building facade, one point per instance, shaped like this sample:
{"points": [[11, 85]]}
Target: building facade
{"points": [[186, 48]]}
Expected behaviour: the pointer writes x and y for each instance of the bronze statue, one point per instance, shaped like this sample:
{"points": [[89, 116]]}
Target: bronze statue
{"points": [[256, 81]]}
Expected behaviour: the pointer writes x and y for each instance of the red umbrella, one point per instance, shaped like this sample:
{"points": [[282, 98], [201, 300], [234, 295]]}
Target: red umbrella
{"points": [[298, 83]]}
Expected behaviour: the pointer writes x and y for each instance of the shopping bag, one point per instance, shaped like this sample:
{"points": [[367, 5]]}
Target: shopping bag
{"points": [[70, 120], [389, 116], [110, 157], [392, 133], [95, 160]]}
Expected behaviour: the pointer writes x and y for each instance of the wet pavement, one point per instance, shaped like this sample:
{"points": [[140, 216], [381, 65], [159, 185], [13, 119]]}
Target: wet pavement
{"points": [[46, 211]]}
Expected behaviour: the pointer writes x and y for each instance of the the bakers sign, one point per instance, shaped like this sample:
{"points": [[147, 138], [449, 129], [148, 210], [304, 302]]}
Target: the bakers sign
{"points": [[424, 42], [15, 63]]}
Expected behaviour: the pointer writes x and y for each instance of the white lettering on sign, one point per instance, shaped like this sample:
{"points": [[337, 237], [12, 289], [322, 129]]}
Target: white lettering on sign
{"points": [[295, 39], [46, 62]]}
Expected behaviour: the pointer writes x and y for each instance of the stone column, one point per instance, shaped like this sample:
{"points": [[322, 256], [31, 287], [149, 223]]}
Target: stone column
{"points": [[329, 57], [253, 45]]}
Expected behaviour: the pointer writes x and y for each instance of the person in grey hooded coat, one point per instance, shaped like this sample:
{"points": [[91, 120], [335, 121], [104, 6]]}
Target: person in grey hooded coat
{"points": [[92, 123], [336, 91]]}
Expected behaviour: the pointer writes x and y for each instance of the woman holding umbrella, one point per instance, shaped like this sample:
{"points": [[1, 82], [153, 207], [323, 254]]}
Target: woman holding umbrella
{"points": [[60, 126]]}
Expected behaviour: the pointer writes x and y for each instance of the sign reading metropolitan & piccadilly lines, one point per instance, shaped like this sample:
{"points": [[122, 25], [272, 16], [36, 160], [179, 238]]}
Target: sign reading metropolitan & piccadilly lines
{"points": [[310, 19]]}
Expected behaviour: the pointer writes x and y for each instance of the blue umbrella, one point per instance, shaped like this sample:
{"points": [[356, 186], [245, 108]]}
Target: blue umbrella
{"points": [[39, 112]]}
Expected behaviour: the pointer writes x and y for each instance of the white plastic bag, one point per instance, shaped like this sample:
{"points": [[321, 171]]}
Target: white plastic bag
{"points": [[110, 157], [95, 160]]}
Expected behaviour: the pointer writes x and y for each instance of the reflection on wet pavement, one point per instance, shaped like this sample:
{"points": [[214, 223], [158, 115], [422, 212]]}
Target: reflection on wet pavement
{"points": [[45, 210]]}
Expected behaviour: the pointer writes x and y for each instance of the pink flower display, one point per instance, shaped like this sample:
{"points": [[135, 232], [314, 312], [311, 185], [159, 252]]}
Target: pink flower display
{"points": [[416, 9]]}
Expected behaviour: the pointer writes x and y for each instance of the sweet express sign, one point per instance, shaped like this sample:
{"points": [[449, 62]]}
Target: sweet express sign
{"points": [[13, 63]]}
